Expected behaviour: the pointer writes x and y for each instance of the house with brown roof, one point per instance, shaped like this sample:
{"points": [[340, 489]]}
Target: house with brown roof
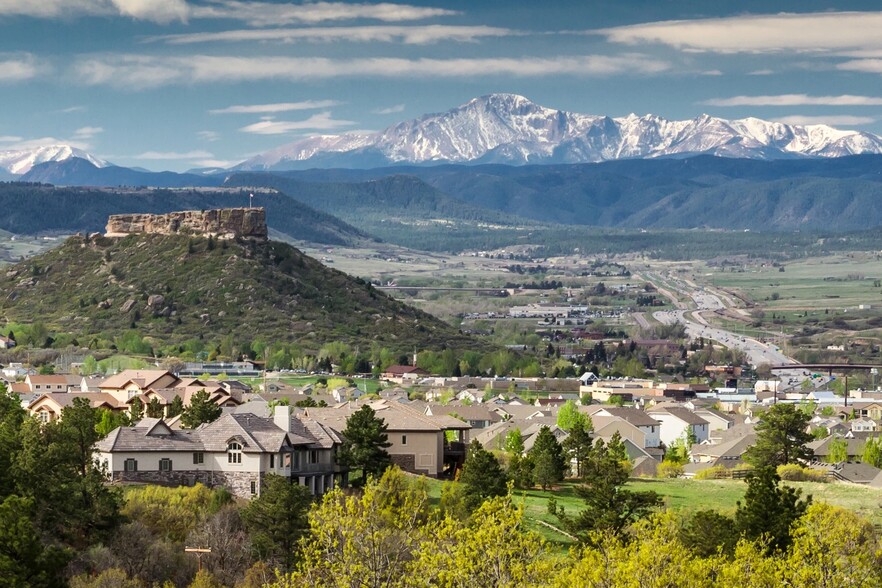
{"points": [[401, 374], [129, 383], [44, 384], [236, 451], [48, 407], [419, 441], [649, 426]]}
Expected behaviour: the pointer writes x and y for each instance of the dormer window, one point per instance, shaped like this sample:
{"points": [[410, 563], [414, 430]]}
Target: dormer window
{"points": [[234, 452]]}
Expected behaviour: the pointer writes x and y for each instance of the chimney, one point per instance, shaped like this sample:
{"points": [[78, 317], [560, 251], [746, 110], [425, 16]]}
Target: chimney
{"points": [[282, 417]]}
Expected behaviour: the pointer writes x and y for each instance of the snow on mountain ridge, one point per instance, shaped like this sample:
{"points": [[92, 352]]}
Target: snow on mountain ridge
{"points": [[20, 161], [508, 128]]}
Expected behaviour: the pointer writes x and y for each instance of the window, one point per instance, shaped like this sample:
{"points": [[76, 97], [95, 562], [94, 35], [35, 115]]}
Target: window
{"points": [[404, 439], [253, 487], [131, 465], [198, 457], [234, 452], [45, 416], [287, 460], [165, 465], [272, 460], [313, 456]]}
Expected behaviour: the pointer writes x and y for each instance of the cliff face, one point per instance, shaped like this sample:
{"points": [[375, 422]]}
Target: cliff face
{"points": [[225, 223]]}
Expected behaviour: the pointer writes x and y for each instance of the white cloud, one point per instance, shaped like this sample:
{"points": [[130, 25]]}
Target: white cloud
{"points": [[163, 155], [160, 11], [208, 135], [9, 139], [760, 72], [223, 163], [391, 110], [322, 121], [17, 68], [86, 133], [862, 65], [796, 100], [142, 71], [277, 107], [786, 32], [71, 109], [833, 120], [411, 35], [260, 14]]}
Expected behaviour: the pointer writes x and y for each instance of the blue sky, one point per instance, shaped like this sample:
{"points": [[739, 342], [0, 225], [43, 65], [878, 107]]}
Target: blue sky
{"points": [[177, 84]]}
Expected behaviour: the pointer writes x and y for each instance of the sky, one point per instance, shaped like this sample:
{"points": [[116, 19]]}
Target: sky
{"points": [[181, 84]]}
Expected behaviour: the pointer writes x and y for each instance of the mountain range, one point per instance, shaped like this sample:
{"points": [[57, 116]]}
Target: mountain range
{"points": [[510, 129]]}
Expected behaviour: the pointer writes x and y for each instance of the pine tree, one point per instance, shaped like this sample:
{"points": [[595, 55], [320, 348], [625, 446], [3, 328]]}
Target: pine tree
{"points": [[769, 510], [154, 408], [277, 519], [201, 410], [176, 407], [608, 506], [365, 443], [549, 461], [578, 444], [482, 475], [781, 438]]}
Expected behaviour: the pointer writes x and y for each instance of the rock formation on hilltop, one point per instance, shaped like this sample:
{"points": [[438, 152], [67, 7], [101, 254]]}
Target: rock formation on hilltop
{"points": [[224, 223]]}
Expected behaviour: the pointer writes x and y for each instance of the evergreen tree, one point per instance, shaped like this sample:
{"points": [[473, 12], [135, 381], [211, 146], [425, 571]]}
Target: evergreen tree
{"points": [[136, 410], [781, 438], [154, 408], [12, 415], [549, 461], [578, 444], [365, 442], [277, 519], [482, 475], [608, 506], [176, 407], [201, 410], [769, 510]]}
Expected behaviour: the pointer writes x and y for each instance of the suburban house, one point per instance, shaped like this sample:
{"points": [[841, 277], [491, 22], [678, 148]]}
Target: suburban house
{"points": [[420, 443], [403, 373], [645, 423], [6, 342], [129, 383], [236, 451], [48, 407], [186, 389], [677, 421], [728, 454], [478, 416], [51, 383]]}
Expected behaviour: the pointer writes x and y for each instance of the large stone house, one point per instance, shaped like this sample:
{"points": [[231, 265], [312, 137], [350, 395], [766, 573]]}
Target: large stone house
{"points": [[236, 451], [420, 442]]}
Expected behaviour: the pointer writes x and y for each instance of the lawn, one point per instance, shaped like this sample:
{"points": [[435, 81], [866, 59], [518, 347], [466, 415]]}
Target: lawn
{"points": [[686, 495]]}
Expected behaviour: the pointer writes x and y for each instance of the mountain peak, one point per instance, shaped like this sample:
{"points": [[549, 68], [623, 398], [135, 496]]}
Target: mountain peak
{"points": [[20, 161], [511, 129]]}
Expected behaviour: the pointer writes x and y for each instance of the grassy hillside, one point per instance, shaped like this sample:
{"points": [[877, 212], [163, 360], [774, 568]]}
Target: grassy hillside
{"points": [[210, 291]]}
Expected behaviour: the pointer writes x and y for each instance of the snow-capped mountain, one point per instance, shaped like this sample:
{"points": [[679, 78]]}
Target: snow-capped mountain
{"points": [[20, 161], [506, 128]]}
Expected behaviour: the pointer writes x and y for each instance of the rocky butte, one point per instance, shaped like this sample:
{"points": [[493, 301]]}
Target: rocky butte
{"points": [[223, 223]]}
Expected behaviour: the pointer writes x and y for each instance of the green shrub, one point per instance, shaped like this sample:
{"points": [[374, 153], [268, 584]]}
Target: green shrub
{"points": [[714, 473], [793, 472], [669, 469]]}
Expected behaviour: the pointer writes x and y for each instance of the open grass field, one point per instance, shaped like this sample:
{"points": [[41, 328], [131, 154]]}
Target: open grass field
{"points": [[689, 496], [835, 282]]}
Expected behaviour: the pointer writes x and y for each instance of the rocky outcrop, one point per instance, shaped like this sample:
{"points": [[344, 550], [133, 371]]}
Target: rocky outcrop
{"points": [[224, 223]]}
